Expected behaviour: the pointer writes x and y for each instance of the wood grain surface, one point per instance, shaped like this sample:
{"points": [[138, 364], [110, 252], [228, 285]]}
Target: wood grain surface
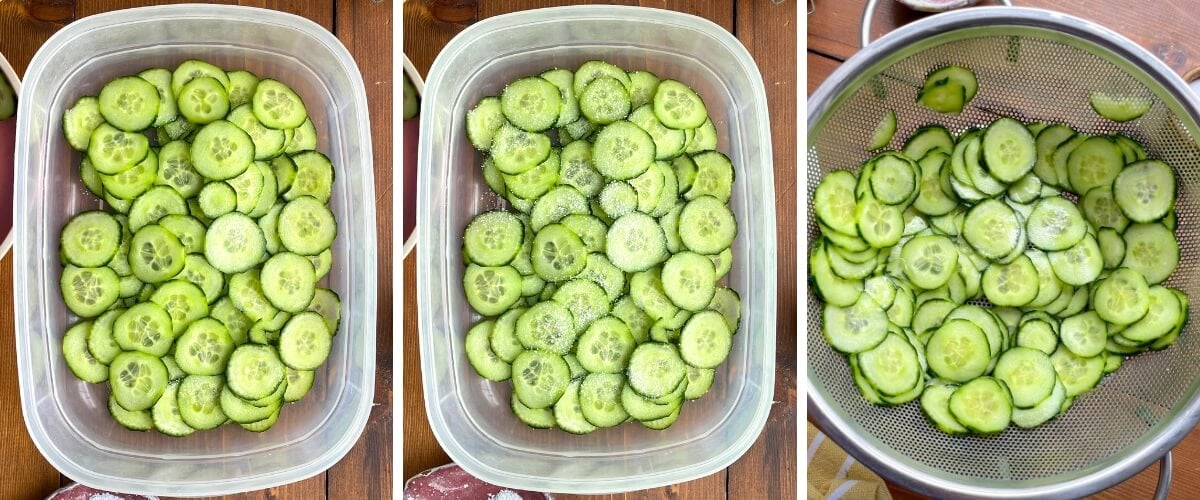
{"points": [[1166, 28], [768, 30], [366, 472]]}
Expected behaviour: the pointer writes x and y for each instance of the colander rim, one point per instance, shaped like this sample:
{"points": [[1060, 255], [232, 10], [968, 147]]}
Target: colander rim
{"points": [[820, 410]]}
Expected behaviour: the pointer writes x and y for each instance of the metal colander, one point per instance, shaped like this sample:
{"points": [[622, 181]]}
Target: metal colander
{"points": [[1033, 65]]}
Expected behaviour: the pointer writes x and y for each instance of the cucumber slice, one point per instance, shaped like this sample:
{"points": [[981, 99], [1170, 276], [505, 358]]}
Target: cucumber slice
{"points": [[157, 204], [883, 131], [547, 326], [314, 177], [622, 150], [242, 85], [668, 143], [558, 253], [493, 238], [305, 342], [706, 340], [929, 260], [584, 299], [935, 403], [268, 143], [540, 378], [656, 369], [567, 414], [834, 201], [1119, 108], [1145, 191], [533, 183], [958, 351], [133, 420], [1164, 315], [168, 111], [203, 100], [1101, 210], [606, 346], [483, 121], [222, 150], [894, 178], [982, 405], [531, 103], [137, 380], [600, 399], [514, 150], [217, 199], [635, 242], [129, 103], [555, 205], [199, 401], [1008, 149], [678, 106], [1044, 411], [233, 243], [714, 177], [306, 226], [183, 301], [1014, 284], [254, 372], [277, 106], [565, 81], [1078, 374], [992, 229], [604, 100], [855, 328], [112, 151], [1084, 334], [204, 349], [892, 367], [80, 120], [1152, 250], [1095, 162], [1080, 264], [642, 86], [90, 239], [943, 95], [288, 281], [80, 360], [1120, 299], [165, 413], [491, 290]]}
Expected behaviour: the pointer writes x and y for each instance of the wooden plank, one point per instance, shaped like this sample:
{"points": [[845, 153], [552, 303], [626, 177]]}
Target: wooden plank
{"points": [[366, 30], [421, 450], [819, 67], [26, 473], [1166, 29], [768, 30]]}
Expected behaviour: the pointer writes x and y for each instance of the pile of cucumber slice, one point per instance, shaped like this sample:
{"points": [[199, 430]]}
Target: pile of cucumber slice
{"points": [[601, 290], [198, 293], [996, 274]]}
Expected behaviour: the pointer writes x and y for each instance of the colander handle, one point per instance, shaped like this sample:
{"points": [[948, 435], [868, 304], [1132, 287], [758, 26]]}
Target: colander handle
{"points": [[869, 14], [1164, 477]]}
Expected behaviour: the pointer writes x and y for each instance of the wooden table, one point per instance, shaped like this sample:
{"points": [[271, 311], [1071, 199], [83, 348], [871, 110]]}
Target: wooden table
{"points": [[768, 30], [366, 472], [1167, 29]]}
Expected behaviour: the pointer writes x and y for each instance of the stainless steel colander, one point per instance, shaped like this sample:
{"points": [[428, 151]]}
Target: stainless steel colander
{"points": [[1034, 65]]}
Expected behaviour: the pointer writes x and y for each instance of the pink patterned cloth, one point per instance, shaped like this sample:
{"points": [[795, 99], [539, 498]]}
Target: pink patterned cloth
{"points": [[450, 482]]}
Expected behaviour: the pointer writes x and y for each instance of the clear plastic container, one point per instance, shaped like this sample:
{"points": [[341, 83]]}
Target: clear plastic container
{"points": [[470, 416], [66, 418]]}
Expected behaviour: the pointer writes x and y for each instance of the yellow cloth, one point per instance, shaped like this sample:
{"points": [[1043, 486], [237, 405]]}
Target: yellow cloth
{"points": [[834, 475]]}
